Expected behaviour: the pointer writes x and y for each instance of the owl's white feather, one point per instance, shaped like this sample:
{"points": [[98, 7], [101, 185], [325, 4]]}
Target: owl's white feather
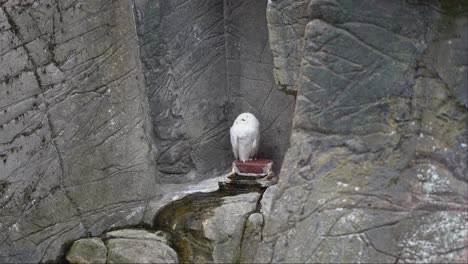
{"points": [[245, 136]]}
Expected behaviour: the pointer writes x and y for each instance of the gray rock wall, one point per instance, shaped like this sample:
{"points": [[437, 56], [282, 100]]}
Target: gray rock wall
{"points": [[377, 169], [74, 138], [183, 53], [250, 77], [205, 62], [286, 23], [102, 107]]}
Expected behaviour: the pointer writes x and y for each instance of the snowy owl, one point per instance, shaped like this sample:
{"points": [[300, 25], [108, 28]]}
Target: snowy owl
{"points": [[245, 136]]}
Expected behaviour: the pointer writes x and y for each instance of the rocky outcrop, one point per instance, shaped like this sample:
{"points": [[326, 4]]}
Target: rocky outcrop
{"points": [[377, 169], [123, 246], [209, 227], [139, 246], [225, 227], [116, 113], [204, 227], [252, 235], [286, 23]]}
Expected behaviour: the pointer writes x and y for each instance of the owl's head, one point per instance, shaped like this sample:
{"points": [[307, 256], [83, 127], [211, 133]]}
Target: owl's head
{"points": [[246, 118]]}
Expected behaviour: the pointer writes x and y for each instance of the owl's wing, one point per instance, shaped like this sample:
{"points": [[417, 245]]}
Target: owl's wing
{"points": [[235, 145]]}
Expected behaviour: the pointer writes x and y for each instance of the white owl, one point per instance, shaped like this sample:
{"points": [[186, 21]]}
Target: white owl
{"points": [[245, 136]]}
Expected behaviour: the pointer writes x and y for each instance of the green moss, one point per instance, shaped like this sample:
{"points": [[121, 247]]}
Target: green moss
{"points": [[454, 7], [451, 9], [393, 181]]}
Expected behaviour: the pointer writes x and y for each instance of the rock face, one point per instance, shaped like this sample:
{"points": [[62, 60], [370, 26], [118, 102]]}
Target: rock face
{"points": [[205, 63], [102, 105], [252, 235], [74, 143], [377, 168], [286, 23], [224, 227], [117, 113]]}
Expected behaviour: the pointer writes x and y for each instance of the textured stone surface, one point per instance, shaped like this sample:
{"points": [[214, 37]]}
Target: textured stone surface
{"points": [[88, 250], [174, 192], [73, 146], [183, 53], [77, 135], [124, 250], [286, 24], [251, 237], [225, 227], [377, 169], [208, 227], [250, 78]]}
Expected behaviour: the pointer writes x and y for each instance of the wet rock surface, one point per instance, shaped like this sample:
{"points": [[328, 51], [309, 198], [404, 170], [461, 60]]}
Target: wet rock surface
{"points": [[209, 227], [199, 227]]}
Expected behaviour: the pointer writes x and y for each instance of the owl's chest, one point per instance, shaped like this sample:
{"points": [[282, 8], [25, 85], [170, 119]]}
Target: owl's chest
{"points": [[244, 132]]}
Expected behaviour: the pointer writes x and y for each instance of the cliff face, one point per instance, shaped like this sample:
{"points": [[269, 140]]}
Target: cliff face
{"points": [[377, 169], [74, 137], [107, 105], [204, 63], [112, 111]]}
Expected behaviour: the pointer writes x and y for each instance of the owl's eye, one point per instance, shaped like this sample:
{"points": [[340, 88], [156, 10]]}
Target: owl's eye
{"points": [[243, 119]]}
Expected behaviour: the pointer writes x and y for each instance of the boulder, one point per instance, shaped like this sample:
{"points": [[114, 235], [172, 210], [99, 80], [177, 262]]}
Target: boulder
{"points": [[251, 236], [87, 250], [129, 250], [225, 227]]}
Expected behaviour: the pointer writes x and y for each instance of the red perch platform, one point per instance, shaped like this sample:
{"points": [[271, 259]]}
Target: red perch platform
{"points": [[257, 168]]}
